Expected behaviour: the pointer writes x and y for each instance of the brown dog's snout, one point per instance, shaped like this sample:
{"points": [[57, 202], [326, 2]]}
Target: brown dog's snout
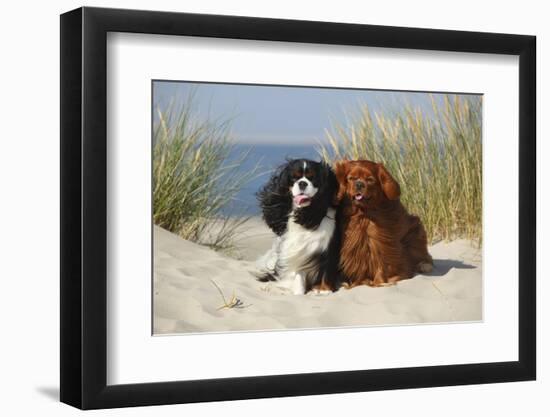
{"points": [[359, 185]]}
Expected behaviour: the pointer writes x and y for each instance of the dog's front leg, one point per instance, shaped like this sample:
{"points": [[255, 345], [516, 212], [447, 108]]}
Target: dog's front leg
{"points": [[293, 282], [298, 284]]}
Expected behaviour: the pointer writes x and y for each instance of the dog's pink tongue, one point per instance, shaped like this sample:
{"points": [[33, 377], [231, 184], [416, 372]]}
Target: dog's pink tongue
{"points": [[299, 199]]}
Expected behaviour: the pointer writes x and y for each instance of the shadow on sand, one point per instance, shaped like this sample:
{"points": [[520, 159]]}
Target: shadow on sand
{"points": [[442, 266]]}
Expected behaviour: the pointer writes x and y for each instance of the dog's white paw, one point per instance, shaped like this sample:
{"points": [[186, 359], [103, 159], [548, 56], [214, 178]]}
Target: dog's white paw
{"points": [[298, 285], [317, 291]]}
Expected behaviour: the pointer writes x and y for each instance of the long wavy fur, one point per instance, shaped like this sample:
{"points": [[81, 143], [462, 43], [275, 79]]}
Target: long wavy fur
{"points": [[275, 201]]}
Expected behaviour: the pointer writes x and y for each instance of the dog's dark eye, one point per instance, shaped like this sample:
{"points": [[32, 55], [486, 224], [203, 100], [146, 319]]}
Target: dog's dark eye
{"points": [[370, 180], [350, 178]]}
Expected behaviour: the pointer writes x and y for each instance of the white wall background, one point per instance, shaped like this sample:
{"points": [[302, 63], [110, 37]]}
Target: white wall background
{"points": [[29, 209]]}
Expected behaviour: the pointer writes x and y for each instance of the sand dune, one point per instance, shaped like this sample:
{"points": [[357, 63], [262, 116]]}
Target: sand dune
{"points": [[186, 299]]}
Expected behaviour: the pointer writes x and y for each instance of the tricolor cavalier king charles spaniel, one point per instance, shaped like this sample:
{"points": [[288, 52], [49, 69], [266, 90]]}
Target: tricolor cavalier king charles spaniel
{"points": [[297, 204]]}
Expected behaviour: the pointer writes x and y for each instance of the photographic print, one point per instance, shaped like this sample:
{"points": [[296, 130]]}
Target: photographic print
{"points": [[303, 207], [325, 187]]}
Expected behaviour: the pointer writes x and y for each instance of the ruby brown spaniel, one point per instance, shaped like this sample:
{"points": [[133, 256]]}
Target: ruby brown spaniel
{"points": [[381, 243]]}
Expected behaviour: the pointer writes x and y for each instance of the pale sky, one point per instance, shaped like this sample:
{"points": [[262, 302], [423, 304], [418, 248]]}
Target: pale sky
{"points": [[282, 115]]}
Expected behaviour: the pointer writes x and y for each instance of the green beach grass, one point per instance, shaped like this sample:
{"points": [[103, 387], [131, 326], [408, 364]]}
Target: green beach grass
{"points": [[437, 159], [194, 178]]}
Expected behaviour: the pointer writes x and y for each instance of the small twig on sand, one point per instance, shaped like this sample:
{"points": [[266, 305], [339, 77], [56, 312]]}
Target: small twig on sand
{"points": [[233, 302]]}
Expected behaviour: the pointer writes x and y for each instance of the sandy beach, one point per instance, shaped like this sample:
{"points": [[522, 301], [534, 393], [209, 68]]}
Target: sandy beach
{"points": [[186, 299]]}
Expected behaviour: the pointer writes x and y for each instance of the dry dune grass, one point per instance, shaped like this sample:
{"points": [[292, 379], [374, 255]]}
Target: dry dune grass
{"points": [[195, 176], [436, 158]]}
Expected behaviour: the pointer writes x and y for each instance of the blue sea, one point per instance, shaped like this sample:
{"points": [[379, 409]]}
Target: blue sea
{"points": [[269, 157]]}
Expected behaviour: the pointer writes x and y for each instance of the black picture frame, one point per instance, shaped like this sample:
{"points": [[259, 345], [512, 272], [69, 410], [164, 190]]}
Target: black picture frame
{"points": [[84, 207]]}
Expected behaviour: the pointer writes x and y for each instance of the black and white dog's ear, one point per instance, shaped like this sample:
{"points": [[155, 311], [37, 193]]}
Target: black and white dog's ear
{"points": [[330, 181], [275, 200]]}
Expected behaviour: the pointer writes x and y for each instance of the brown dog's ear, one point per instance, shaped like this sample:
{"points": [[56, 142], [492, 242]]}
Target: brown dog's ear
{"points": [[341, 169], [389, 185]]}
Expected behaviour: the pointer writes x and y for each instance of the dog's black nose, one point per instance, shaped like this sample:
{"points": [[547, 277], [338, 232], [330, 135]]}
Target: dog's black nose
{"points": [[359, 185], [302, 185]]}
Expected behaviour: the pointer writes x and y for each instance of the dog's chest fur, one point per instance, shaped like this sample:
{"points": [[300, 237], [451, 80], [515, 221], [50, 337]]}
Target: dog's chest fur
{"points": [[370, 248], [300, 244]]}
